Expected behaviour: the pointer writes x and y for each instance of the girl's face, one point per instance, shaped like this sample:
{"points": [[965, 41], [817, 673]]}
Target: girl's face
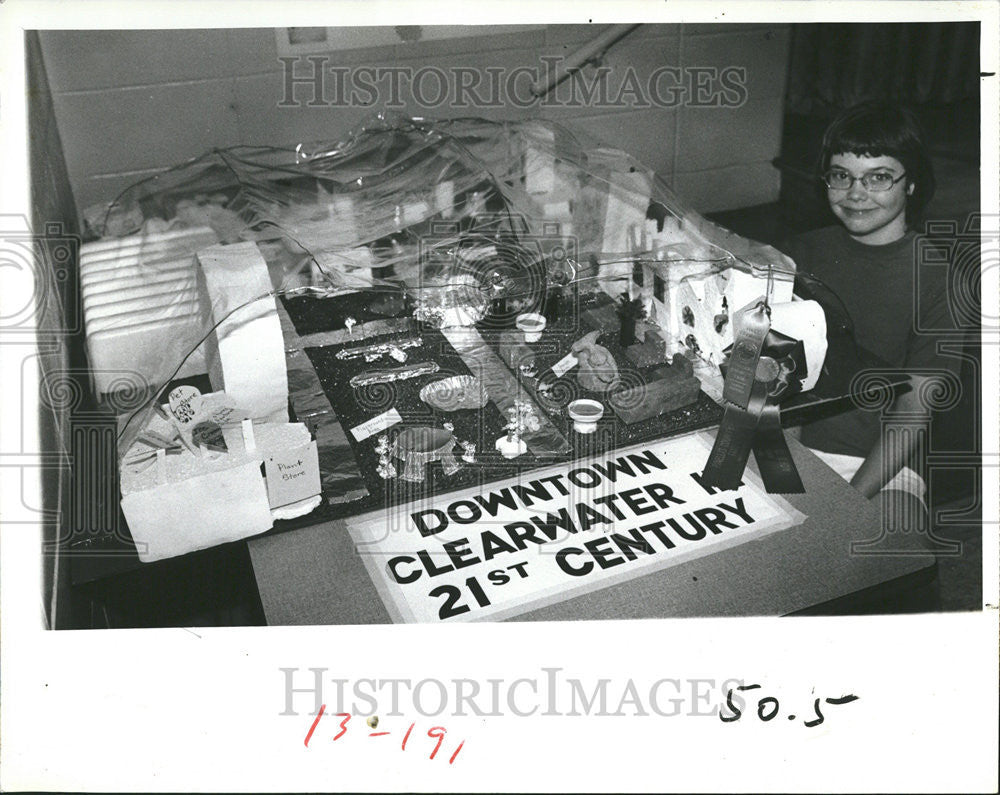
{"points": [[871, 217]]}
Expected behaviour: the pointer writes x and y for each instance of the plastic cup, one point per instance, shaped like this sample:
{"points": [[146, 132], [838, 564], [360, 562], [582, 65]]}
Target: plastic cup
{"points": [[532, 324], [585, 413]]}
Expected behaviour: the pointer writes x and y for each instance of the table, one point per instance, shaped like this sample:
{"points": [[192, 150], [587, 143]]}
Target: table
{"points": [[728, 584], [314, 576]]}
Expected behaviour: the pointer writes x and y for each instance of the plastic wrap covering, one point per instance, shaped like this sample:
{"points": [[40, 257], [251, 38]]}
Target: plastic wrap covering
{"points": [[446, 223]]}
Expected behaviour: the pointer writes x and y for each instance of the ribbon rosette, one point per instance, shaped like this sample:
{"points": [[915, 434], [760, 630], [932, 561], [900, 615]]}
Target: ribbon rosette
{"points": [[779, 374]]}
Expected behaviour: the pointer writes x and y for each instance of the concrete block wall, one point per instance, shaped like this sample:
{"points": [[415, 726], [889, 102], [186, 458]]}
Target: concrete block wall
{"points": [[129, 103]]}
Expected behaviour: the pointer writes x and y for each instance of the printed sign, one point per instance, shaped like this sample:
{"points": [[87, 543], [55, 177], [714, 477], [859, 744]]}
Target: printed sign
{"points": [[509, 547]]}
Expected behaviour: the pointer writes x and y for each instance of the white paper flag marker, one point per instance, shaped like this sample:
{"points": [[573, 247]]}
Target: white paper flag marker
{"points": [[249, 442], [161, 465]]}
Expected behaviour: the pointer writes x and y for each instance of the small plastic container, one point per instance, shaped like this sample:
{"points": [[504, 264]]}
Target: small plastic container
{"points": [[532, 325], [585, 414]]}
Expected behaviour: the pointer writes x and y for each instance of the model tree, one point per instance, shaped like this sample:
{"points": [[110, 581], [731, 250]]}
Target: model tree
{"points": [[630, 312], [521, 417]]}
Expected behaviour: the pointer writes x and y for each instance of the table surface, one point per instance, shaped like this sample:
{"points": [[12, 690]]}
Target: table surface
{"points": [[314, 575]]}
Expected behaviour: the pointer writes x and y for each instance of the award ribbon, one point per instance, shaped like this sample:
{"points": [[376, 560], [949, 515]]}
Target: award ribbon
{"points": [[778, 371], [751, 327]]}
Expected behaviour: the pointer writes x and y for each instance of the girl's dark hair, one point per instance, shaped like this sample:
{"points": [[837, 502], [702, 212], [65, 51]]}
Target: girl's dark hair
{"points": [[884, 130]]}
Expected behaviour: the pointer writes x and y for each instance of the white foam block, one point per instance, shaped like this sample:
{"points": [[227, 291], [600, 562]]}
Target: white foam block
{"points": [[161, 258], [165, 303], [103, 292], [628, 200], [131, 266], [140, 308], [152, 350], [207, 509], [130, 270], [187, 502], [540, 162], [246, 352], [745, 287], [444, 198]]}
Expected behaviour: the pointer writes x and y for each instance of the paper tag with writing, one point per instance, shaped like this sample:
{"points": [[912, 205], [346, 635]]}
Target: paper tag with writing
{"points": [[185, 403], [209, 435], [292, 475], [564, 365], [375, 425]]}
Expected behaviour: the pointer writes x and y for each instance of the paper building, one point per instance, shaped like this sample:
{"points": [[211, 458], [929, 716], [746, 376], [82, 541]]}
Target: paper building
{"points": [[691, 288]]}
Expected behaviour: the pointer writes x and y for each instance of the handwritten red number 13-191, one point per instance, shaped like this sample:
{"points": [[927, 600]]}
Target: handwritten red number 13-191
{"points": [[436, 732]]}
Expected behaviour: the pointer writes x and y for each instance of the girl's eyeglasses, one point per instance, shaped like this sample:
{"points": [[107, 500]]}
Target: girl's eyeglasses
{"points": [[874, 182]]}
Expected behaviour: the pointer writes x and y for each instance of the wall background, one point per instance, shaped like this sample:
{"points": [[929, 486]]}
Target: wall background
{"points": [[58, 352], [128, 103]]}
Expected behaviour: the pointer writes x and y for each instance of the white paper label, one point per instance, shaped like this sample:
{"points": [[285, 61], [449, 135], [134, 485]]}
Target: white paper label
{"points": [[376, 424], [506, 548], [564, 365], [292, 475]]}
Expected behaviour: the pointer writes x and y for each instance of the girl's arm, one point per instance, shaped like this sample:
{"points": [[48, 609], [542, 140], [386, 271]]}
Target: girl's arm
{"points": [[882, 464]]}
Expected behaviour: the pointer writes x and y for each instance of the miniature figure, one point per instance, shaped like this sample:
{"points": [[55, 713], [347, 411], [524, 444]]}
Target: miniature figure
{"points": [[468, 452]]}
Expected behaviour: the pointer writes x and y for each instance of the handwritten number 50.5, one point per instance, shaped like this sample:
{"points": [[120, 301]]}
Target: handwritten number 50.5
{"points": [[768, 707]]}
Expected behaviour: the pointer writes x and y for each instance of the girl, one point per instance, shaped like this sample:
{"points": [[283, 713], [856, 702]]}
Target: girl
{"points": [[877, 178]]}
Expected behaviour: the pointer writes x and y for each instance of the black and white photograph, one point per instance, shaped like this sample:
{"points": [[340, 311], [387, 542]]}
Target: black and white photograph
{"points": [[643, 360]]}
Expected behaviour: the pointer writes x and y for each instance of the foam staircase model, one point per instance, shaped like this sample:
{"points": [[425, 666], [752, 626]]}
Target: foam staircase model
{"points": [[141, 307]]}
